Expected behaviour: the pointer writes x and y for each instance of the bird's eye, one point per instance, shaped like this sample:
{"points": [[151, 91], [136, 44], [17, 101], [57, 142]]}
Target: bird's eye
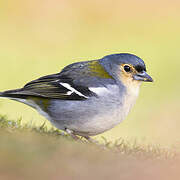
{"points": [[127, 68]]}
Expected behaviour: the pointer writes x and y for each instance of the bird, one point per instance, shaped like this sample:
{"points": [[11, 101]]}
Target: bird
{"points": [[86, 98]]}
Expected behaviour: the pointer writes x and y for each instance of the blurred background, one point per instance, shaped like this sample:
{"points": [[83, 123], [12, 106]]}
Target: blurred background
{"points": [[41, 37]]}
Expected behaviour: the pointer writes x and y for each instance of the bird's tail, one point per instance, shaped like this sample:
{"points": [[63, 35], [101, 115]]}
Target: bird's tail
{"points": [[16, 95], [13, 94]]}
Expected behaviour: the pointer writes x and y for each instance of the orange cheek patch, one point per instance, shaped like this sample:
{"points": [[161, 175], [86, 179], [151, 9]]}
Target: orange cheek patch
{"points": [[124, 76], [127, 79]]}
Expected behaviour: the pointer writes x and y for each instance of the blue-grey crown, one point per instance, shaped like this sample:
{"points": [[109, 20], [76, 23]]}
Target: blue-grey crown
{"points": [[125, 58], [112, 60]]}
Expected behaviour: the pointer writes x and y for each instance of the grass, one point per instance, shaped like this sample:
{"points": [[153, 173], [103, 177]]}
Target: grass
{"points": [[120, 146], [29, 152]]}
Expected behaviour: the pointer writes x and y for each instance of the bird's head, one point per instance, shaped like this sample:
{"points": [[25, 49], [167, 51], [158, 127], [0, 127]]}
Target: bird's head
{"points": [[127, 68]]}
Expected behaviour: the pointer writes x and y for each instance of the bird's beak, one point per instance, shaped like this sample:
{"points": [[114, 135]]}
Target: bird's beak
{"points": [[143, 76]]}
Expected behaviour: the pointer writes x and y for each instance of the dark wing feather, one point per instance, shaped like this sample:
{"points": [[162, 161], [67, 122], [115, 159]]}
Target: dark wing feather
{"points": [[79, 76], [50, 87]]}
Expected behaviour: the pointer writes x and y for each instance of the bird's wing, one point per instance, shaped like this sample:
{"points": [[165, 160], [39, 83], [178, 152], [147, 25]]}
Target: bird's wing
{"points": [[74, 82], [57, 87]]}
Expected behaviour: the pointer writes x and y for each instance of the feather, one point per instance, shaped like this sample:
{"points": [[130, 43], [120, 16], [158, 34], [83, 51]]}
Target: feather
{"points": [[72, 83]]}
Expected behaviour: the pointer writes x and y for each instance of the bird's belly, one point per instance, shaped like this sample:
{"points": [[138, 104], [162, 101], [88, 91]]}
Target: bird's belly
{"points": [[99, 124], [102, 122], [92, 123], [91, 117]]}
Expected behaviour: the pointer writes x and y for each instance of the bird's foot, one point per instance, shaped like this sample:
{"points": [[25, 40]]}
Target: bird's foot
{"points": [[91, 140], [70, 132]]}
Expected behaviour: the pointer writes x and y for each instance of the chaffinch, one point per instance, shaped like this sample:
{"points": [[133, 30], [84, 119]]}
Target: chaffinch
{"points": [[86, 98]]}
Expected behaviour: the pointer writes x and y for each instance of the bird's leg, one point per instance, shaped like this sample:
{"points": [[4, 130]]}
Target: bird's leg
{"points": [[91, 140], [70, 132]]}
